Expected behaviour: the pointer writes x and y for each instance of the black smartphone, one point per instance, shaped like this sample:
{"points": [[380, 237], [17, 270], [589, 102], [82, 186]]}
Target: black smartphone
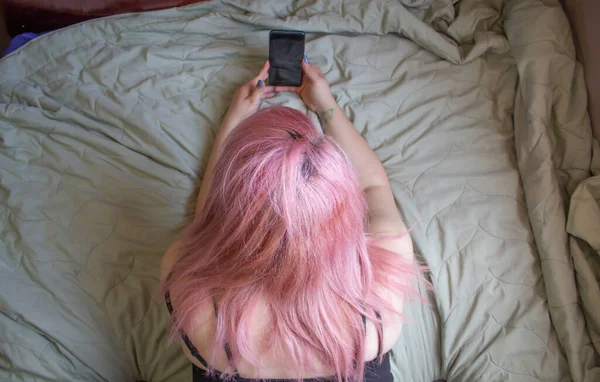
{"points": [[286, 51]]}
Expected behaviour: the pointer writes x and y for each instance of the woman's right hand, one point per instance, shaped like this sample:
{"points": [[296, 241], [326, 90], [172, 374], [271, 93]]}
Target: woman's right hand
{"points": [[314, 89]]}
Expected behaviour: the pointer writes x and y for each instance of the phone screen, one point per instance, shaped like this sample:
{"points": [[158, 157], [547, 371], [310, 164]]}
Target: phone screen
{"points": [[286, 51]]}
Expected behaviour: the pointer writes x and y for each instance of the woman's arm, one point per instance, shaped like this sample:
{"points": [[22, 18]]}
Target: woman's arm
{"points": [[215, 154], [245, 102], [383, 214], [316, 94], [335, 124], [384, 218]]}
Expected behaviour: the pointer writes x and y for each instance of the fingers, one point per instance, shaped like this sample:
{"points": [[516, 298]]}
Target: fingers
{"points": [[269, 90], [311, 71], [263, 74], [261, 91]]}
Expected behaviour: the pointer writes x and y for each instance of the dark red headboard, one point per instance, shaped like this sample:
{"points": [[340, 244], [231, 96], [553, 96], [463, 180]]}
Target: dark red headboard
{"points": [[46, 15]]}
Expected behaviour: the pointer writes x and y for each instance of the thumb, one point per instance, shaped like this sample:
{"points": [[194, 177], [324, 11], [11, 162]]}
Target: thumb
{"points": [[262, 91], [310, 70]]}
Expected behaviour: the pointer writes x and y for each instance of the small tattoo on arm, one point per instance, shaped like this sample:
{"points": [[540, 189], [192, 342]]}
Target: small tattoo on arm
{"points": [[325, 115]]}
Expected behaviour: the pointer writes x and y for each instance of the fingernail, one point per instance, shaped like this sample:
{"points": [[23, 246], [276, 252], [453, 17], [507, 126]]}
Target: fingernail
{"points": [[260, 83], [306, 59]]}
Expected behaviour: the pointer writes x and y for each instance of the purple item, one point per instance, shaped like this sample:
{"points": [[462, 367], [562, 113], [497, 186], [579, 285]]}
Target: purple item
{"points": [[19, 41]]}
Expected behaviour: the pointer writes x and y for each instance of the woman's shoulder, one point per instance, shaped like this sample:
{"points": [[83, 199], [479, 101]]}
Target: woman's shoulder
{"points": [[171, 256]]}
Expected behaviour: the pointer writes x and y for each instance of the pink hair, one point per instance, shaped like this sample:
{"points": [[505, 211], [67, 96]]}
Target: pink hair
{"points": [[285, 222]]}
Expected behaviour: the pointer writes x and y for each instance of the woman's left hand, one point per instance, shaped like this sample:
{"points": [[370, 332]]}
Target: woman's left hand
{"points": [[247, 98]]}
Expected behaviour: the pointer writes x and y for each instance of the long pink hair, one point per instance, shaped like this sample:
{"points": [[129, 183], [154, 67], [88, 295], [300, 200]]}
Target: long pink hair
{"points": [[285, 222]]}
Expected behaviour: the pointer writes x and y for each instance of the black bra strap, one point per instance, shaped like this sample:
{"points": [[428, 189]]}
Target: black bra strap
{"points": [[188, 343], [379, 336], [193, 350], [226, 345]]}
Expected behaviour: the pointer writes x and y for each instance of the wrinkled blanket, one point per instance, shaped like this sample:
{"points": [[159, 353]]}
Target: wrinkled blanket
{"points": [[477, 110]]}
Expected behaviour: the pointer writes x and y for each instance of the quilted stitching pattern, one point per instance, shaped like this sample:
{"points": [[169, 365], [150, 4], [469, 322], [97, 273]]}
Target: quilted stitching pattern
{"points": [[105, 125]]}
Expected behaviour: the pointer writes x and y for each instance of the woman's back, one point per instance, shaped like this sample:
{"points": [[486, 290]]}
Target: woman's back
{"points": [[275, 365], [297, 262]]}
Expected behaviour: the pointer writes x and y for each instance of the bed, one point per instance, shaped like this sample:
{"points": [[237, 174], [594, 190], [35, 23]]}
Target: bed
{"points": [[477, 110]]}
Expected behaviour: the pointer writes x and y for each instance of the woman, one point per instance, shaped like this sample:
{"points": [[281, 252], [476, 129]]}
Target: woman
{"points": [[297, 263]]}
